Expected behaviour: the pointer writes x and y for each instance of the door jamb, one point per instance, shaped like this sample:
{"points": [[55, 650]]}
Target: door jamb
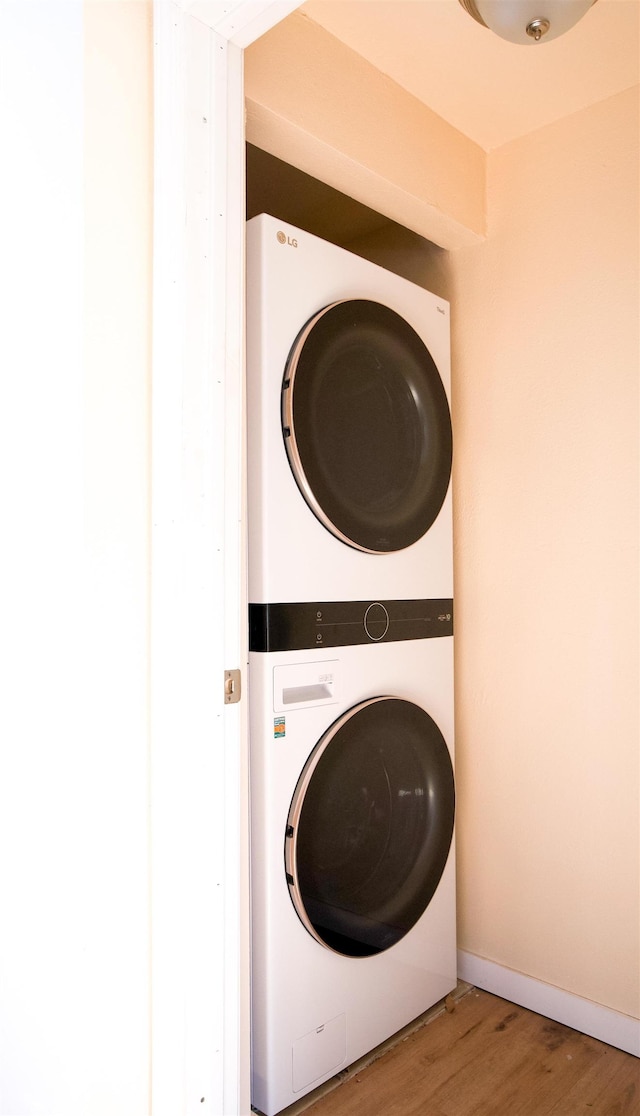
{"points": [[199, 854]]}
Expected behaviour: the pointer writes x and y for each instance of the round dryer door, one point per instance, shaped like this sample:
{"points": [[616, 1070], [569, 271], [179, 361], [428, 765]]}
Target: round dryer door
{"points": [[370, 826], [366, 426]]}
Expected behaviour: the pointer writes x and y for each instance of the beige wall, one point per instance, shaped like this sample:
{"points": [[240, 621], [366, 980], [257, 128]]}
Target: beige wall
{"points": [[311, 100], [118, 158], [546, 347], [75, 354]]}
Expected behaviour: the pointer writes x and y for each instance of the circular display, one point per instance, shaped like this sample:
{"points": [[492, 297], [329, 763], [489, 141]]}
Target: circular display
{"points": [[376, 621], [370, 826], [366, 426]]}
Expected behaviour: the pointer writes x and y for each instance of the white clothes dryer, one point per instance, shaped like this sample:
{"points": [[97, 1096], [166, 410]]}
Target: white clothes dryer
{"points": [[349, 431], [352, 819]]}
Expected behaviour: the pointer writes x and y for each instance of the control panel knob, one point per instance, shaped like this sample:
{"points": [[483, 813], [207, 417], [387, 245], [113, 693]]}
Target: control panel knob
{"points": [[376, 621]]}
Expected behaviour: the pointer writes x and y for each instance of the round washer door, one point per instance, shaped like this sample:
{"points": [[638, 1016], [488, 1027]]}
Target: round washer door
{"points": [[370, 826], [366, 426]]}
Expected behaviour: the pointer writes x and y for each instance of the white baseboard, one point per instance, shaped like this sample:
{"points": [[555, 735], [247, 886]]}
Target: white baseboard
{"points": [[583, 1015]]}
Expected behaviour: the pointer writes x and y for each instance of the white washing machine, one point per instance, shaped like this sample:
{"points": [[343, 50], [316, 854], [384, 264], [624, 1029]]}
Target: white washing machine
{"points": [[352, 817], [351, 657], [349, 431]]}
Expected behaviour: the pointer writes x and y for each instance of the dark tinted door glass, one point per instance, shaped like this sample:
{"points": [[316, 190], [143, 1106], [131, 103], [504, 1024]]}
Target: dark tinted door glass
{"points": [[370, 826], [366, 425]]}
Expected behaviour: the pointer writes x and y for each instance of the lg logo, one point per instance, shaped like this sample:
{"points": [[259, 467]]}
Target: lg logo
{"points": [[284, 239]]}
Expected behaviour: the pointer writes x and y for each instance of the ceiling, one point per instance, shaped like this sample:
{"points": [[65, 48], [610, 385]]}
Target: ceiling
{"points": [[491, 90]]}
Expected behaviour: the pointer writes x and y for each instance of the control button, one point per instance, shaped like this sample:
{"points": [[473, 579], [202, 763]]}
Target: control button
{"points": [[376, 621]]}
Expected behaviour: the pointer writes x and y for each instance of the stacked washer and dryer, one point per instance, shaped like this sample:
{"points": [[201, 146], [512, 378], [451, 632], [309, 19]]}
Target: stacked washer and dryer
{"points": [[351, 657]]}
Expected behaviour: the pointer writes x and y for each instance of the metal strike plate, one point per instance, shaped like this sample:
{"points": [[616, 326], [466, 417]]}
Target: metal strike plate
{"points": [[232, 687]]}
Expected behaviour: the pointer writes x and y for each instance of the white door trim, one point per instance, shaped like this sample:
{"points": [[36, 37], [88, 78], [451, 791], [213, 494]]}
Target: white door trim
{"points": [[198, 748]]}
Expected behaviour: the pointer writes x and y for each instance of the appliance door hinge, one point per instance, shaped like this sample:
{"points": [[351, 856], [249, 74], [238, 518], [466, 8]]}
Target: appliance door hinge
{"points": [[232, 687]]}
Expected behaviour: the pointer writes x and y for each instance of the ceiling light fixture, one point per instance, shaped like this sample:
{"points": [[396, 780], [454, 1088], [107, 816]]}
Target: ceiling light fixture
{"points": [[528, 21]]}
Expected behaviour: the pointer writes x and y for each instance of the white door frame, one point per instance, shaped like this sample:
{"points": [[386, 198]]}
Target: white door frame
{"points": [[198, 783]]}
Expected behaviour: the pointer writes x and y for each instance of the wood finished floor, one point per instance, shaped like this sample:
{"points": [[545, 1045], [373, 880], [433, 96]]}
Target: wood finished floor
{"points": [[489, 1057]]}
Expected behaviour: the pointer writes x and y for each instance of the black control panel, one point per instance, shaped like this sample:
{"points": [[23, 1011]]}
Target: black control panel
{"points": [[296, 627]]}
